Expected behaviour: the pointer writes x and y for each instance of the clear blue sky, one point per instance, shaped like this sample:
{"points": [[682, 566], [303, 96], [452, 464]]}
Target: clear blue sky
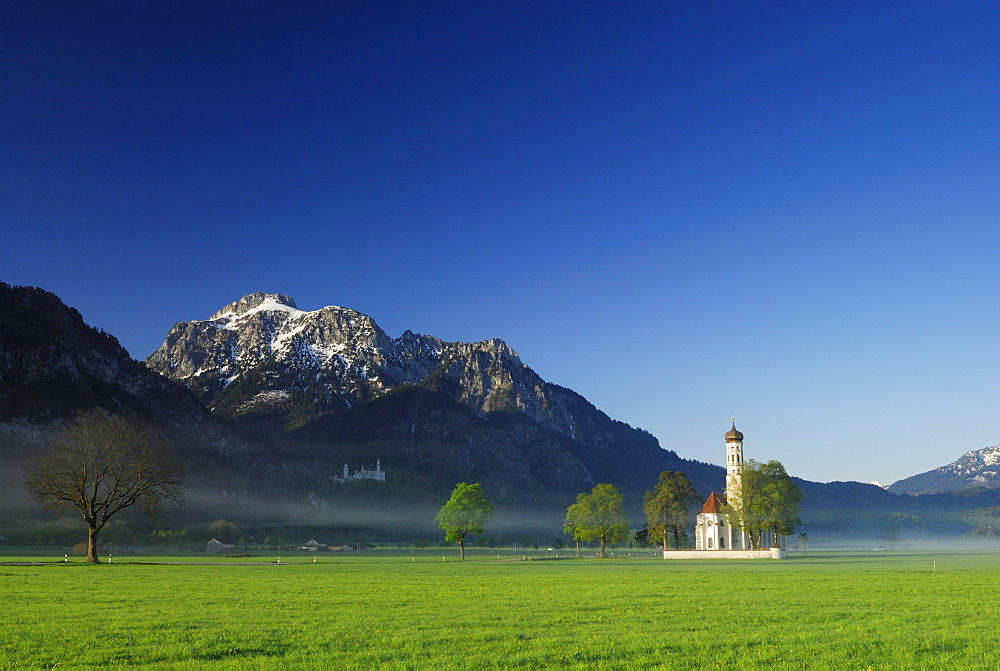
{"points": [[788, 211]]}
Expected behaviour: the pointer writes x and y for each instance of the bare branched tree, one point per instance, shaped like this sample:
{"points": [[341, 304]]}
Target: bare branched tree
{"points": [[102, 465]]}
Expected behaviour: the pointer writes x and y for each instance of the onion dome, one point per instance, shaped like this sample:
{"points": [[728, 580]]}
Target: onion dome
{"points": [[734, 435]]}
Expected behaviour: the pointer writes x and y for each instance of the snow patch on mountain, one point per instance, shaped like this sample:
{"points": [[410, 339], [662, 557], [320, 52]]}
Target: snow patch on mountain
{"points": [[976, 468], [252, 302], [974, 462], [335, 358]]}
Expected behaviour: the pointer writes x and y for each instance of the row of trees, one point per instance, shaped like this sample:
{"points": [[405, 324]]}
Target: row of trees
{"points": [[600, 515], [765, 500]]}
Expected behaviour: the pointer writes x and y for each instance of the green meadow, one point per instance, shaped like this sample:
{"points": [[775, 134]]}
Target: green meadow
{"points": [[830, 610]]}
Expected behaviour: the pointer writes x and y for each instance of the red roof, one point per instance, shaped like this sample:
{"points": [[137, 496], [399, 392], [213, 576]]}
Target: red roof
{"points": [[713, 504]]}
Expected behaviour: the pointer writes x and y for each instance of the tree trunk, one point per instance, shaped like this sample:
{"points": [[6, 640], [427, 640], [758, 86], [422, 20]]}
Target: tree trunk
{"points": [[577, 548], [461, 547], [602, 548], [92, 546]]}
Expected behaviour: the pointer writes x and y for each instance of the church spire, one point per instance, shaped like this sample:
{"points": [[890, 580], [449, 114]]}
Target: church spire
{"points": [[734, 462], [734, 434]]}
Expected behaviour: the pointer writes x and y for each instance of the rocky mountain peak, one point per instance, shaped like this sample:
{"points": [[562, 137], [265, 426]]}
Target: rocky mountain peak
{"points": [[253, 301], [977, 468], [263, 352], [282, 369]]}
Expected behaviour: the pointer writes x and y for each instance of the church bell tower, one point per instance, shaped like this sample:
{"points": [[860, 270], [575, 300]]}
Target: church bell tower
{"points": [[734, 463]]}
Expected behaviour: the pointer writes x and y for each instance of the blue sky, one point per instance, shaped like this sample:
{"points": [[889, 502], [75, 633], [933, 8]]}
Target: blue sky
{"points": [[789, 212]]}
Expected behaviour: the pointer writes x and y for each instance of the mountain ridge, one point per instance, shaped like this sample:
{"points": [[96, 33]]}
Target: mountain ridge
{"points": [[975, 468], [52, 364], [287, 371]]}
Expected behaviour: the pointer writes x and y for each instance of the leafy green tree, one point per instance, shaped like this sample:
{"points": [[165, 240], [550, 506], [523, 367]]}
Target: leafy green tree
{"points": [[668, 506], [598, 516], [224, 530], [765, 499], [465, 512], [102, 465], [782, 499], [571, 526]]}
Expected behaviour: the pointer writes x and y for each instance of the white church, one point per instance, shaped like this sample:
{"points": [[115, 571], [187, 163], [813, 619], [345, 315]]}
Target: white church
{"points": [[715, 537]]}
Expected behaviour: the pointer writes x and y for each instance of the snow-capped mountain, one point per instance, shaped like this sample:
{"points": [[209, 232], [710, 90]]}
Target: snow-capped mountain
{"points": [[263, 352], [285, 370], [979, 468], [340, 355]]}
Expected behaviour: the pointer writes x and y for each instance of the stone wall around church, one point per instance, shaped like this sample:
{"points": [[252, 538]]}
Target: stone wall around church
{"points": [[772, 553]]}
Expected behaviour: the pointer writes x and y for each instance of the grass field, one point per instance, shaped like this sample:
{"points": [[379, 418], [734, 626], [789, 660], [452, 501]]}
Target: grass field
{"points": [[829, 610]]}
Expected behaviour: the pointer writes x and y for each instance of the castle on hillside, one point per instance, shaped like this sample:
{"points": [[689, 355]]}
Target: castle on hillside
{"points": [[362, 474]]}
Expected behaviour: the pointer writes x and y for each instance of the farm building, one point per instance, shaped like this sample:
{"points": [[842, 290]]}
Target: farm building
{"points": [[314, 546], [118, 547], [215, 545]]}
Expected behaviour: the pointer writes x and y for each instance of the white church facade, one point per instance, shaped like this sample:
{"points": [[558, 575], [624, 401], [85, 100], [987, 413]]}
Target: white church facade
{"points": [[714, 536]]}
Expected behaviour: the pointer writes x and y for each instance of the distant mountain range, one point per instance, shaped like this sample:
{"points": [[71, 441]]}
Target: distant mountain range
{"points": [[267, 403], [980, 468]]}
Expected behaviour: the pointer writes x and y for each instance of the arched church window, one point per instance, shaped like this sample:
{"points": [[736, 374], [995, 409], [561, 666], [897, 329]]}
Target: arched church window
{"points": [[709, 543], [722, 543]]}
